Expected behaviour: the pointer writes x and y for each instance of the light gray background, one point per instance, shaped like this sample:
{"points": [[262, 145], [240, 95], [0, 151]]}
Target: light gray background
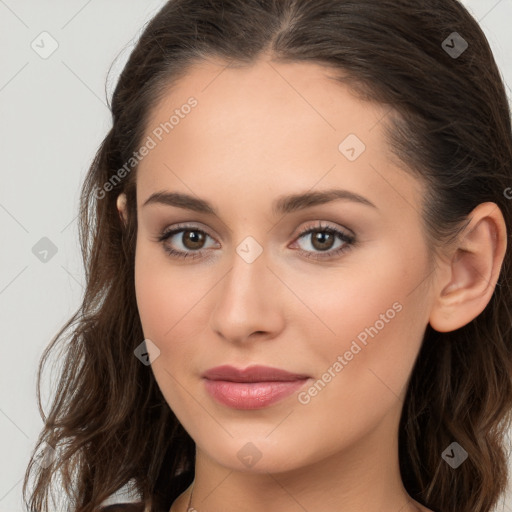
{"points": [[53, 117]]}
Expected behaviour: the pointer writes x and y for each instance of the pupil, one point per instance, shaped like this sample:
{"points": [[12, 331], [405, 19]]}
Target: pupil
{"points": [[321, 238], [194, 237]]}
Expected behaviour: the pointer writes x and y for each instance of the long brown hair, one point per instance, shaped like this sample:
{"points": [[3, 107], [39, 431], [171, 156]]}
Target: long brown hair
{"points": [[449, 125]]}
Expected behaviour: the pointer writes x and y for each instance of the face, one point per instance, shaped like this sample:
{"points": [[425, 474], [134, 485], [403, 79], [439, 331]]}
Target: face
{"points": [[335, 291]]}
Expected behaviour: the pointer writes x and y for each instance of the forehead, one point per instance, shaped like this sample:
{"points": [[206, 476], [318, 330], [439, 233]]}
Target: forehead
{"points": [[294, 95], [288, 125]]}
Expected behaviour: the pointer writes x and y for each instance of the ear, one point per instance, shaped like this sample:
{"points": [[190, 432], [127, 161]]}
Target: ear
{"points": [[471, 271], [121, 207]]}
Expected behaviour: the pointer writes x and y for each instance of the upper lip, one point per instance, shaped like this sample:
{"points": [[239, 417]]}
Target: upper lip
{"points": [[254, 373]]}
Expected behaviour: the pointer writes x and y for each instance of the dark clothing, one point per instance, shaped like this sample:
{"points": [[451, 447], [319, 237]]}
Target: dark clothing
{"points": [[178, 485], [125, 507]]}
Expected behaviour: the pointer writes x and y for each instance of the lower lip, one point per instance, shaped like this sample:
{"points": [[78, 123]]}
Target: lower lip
{"points": [[251, 395]]}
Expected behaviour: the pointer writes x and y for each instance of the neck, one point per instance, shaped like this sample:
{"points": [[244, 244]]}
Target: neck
{"points": [[365, 476]]}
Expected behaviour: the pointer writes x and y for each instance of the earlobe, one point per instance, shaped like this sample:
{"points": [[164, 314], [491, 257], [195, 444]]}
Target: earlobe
{"points": [[474, 270], [121, 207]]}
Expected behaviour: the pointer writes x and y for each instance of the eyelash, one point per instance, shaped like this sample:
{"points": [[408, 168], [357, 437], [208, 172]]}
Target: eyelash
{"points": [[349, 242]]}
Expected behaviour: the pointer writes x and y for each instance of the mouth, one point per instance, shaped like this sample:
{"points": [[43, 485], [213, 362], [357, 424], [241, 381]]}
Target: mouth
{"points": [[255, 387]]}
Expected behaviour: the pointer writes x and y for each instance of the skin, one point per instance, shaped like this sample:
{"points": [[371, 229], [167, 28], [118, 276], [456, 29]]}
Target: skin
{"points": [[257, 133]]}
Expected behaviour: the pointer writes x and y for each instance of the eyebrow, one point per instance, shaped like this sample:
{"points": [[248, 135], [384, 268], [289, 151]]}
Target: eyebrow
{"points": [[282, 205]]}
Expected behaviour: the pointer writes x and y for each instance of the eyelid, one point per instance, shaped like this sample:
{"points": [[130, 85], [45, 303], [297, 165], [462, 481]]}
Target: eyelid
{"points": [[183, 226], [319, 225]]}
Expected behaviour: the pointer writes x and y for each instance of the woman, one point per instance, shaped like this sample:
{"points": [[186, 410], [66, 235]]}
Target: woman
{"points": [[298, 284]]}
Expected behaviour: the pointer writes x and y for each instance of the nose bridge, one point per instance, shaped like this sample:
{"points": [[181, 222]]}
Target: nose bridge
{"points": [[248, 278], [249, 257], [246, 300]]}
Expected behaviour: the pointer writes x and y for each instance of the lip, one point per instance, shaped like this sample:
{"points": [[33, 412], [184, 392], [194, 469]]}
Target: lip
{"points": [[255, 373], [254, 387]]}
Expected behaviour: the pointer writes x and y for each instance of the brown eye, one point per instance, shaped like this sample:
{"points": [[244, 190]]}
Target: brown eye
{"points": [[322, 240], [185, 242], [193, 239]]}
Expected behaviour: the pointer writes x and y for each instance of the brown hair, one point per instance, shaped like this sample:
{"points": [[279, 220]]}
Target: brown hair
{"points": [[449, 125]]}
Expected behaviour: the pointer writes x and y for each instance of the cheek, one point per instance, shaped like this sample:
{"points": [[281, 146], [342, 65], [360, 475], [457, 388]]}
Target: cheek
{"points": [[159, 294], [362, 372], [156, 294], [377, 316], [170, 299], [152, 302], [347, 301]]}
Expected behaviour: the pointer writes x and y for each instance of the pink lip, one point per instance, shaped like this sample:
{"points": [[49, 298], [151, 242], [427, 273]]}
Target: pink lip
{"points": [[254, 387]]}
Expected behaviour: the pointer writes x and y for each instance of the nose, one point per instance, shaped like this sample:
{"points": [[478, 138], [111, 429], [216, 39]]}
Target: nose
{"points": [[249, 301]]}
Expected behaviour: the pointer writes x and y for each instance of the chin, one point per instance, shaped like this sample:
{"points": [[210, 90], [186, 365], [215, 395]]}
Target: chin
{"points": [[259, 455]]}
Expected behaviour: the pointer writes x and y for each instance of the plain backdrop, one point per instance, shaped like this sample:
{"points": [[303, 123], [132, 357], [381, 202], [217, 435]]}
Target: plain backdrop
{"points": [[53, 116]]}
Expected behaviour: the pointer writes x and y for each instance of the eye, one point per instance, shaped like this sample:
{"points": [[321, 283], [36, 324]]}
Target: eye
{"points": [[323, 241], [192, 239]]}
